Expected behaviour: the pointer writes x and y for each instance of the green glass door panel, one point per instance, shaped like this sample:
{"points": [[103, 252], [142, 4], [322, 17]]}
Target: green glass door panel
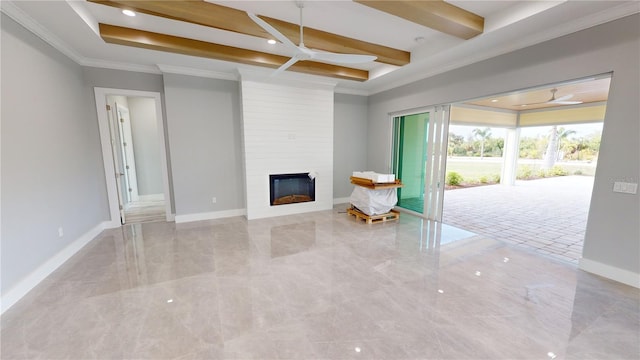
{"points": [[410, 156]]}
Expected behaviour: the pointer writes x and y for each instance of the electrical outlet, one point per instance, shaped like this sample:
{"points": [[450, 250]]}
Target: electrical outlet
{"points": [[214, 200], [60, 232]]}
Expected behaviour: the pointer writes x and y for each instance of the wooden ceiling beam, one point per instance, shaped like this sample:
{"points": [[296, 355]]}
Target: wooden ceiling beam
{"points": [[221, 17], [435, 14], [179, 45]]}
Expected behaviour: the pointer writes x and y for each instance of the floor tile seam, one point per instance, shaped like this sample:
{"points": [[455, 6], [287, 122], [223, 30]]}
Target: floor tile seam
{"points": [[591, 324], [531, 251]]}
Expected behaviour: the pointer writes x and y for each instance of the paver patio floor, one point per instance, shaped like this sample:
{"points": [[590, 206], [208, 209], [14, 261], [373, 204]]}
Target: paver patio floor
{"points": [[548, 215]]}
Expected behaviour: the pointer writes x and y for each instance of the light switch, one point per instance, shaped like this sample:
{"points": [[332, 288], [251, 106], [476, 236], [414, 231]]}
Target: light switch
{"points": [[625, 187]]}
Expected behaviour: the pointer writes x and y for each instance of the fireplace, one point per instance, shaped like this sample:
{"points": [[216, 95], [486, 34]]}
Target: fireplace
{"points": [[291, 188]]}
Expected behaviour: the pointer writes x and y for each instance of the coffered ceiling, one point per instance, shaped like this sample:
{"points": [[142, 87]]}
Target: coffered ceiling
{"points": [[411, 39]]}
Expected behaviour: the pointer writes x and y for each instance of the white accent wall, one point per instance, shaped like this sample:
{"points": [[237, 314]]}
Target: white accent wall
{"points": [[286, 129]]}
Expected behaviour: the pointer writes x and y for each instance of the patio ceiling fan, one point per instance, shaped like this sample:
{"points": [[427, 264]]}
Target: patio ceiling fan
{"points": [[563, 100], [302, 53]]}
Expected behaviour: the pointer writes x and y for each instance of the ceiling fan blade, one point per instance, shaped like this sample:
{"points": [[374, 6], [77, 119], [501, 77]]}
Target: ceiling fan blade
{"points": [[271, 30], [343, 58], [285, 66], [566, 102], [563, 98]]}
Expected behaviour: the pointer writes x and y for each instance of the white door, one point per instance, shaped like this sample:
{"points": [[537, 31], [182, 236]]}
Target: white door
{"points": [[127, 155], [117, 159]]}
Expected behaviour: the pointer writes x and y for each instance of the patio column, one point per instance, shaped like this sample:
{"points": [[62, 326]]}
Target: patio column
{"points": [[510, 158]]}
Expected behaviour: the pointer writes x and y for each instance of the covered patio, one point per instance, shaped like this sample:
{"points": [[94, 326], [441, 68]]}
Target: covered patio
{"points": [[548, 216]]}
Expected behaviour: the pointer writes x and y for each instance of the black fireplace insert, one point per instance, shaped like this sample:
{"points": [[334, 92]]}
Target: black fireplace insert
{"points": [[291, 188]]}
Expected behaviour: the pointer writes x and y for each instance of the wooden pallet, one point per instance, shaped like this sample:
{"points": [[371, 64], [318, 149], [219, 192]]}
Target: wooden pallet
{"points": [[371, 219]]}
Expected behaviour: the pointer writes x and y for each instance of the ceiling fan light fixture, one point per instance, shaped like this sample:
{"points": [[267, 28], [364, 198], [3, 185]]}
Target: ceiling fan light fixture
{"points": [[129, 12]]}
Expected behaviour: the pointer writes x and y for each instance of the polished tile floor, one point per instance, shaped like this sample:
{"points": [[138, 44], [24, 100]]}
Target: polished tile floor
{"points": [[318, 286], [145, 211]]}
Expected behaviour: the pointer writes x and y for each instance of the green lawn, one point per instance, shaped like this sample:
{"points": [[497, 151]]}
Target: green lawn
{"points": [[472, 169]]}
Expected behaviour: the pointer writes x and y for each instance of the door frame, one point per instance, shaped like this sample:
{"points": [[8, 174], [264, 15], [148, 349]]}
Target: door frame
{"points": [[107, 155]]}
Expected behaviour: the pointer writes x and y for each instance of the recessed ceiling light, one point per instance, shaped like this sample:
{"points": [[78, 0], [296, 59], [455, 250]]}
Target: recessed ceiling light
{"points": [[494, 100], [128, 13], [271, 41]]}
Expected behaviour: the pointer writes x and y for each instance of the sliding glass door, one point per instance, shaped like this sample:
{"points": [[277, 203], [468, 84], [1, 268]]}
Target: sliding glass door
{"points": [[411, 157], [419, 156]]}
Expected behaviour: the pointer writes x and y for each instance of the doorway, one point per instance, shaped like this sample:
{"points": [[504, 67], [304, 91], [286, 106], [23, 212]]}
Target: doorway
{"points": [[541, 145], [134, 151]]}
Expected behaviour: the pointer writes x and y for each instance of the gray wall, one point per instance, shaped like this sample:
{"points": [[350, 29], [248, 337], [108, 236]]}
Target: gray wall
{"points": [[613, 232], [119, 79], [203, 118], [146, 146], [349, 141], [52, 173]]}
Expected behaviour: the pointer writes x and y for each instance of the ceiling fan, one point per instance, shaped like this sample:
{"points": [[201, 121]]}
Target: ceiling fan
{"points": [[302, 53], [563, 100]]}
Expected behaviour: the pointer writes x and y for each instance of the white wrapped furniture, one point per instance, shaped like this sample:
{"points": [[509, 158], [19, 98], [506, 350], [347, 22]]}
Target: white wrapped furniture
{"points": [[374, 197]]}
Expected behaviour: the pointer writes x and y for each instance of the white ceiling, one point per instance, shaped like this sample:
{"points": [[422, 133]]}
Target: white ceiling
{"points": [[71, 26]]}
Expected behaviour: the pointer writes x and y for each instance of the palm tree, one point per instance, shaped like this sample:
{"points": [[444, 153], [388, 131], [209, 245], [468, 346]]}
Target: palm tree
{"points": [[483, 134], [555, 137]]}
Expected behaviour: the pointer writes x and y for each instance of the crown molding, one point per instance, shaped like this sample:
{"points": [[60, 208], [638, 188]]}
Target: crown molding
{"points": [[180, 70], [115, 65], [349, 91], [428, 70], [19, 16], [288, 79]]}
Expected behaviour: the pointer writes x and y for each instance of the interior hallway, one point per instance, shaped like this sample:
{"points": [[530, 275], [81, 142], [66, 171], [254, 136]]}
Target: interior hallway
{"points": [[145, 211]]}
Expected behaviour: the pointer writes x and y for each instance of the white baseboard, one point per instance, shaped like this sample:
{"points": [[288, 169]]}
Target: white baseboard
{"points": [[209, 215], [343, 200], [25, 285], [151, 197], [610, 272]]}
